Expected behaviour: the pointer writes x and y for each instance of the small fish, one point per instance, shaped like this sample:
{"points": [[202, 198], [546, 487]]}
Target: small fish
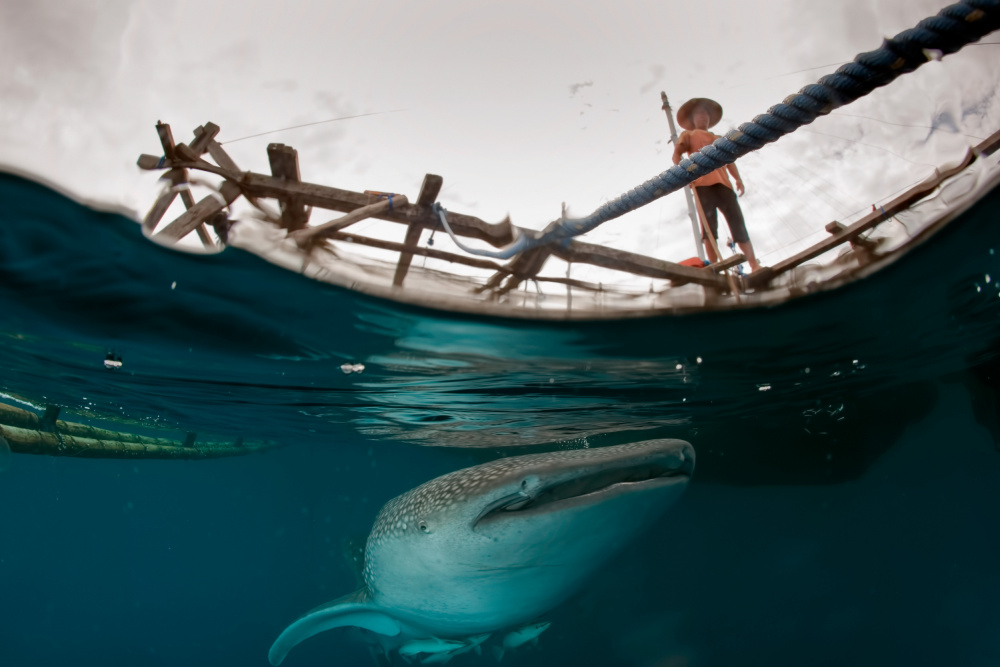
{"points": [[429, 645], [520, 637]]}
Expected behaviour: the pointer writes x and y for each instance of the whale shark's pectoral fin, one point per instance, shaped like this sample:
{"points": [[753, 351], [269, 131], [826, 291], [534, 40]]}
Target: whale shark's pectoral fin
{"points": [[350, 610]]}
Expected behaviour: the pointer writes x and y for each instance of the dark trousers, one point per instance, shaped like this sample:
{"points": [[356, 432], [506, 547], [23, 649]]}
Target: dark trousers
{"points": [[715, 198]]}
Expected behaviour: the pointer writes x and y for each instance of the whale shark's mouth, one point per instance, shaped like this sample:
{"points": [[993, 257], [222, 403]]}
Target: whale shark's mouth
{"points": [[592, 486]]}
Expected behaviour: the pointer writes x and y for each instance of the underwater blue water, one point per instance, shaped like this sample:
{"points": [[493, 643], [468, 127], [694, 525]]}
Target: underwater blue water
{"points": [[844, 510]]}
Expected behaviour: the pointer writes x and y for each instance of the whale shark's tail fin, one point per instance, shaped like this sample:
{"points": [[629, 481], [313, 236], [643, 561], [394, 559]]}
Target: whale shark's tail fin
{"points": [[350, 610]]}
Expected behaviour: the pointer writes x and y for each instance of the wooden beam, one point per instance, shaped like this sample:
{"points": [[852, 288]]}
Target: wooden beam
{"points": [[200, 212], [990, 145], [406, 255], [221, 157], [159, 207], [433, 253], [851, 232], [304, 237], [284, 162], [630, 262], [839, 227], [726, 264], [335, 199]]}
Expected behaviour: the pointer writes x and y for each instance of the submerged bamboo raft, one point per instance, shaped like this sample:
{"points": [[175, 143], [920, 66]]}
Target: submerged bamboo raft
{"points": [[317, 250], [29, 433]]}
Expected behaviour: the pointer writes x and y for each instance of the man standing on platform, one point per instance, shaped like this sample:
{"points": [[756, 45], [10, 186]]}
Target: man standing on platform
{"points": [[713, 191]]}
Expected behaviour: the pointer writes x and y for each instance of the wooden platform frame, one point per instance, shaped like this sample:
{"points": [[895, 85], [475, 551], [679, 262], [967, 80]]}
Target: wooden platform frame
{"points": [[297, 198]]}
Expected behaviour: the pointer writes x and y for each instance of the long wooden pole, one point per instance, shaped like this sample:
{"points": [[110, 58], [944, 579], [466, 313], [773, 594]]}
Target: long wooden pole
{"points": [[687, 189]]}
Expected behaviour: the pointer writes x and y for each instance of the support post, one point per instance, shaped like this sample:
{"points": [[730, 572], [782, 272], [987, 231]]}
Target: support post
{"points": [[429, 191], [285, 166]]}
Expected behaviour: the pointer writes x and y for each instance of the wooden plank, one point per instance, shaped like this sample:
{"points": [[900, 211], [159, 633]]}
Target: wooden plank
{"points": [[630, 262], [304, 237], [846, 234], [200, 212]]}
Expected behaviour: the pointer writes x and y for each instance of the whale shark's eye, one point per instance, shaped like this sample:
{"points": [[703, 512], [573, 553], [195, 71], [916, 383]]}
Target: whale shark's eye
{"points": [[524, 484], [423, 527]]}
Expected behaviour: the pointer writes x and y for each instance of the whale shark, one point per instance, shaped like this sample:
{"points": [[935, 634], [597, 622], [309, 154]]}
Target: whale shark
{"points": [[495, 547]]}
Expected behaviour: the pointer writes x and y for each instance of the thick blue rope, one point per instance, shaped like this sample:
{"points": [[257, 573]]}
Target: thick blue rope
{"points": [[953, 27]]}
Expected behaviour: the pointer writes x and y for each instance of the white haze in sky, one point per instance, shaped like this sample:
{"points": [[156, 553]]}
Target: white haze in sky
{"points": [[520, 106]]}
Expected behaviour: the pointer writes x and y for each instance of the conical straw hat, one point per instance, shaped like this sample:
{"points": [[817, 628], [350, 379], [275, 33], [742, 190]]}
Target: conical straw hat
{"points": [[713, 108]]}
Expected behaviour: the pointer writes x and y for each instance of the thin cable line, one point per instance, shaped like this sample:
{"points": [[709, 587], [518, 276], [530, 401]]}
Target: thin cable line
{"points": [[800, 71], [889, 122], [854, 141], [318, 122]]}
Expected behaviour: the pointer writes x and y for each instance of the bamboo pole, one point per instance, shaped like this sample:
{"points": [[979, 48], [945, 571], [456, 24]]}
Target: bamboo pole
{"points": [[688, 190], [25, 432]]}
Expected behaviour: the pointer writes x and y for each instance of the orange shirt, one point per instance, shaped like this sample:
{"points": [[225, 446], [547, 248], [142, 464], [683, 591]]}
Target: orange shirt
{"points": [[696, 140]]}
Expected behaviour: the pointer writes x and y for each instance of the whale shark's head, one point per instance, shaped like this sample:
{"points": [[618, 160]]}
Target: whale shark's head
{"points": [[512, 538]]}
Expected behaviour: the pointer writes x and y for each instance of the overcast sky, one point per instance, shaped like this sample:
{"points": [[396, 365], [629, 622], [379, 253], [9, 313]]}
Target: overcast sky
{"points": [[518, 105]]}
